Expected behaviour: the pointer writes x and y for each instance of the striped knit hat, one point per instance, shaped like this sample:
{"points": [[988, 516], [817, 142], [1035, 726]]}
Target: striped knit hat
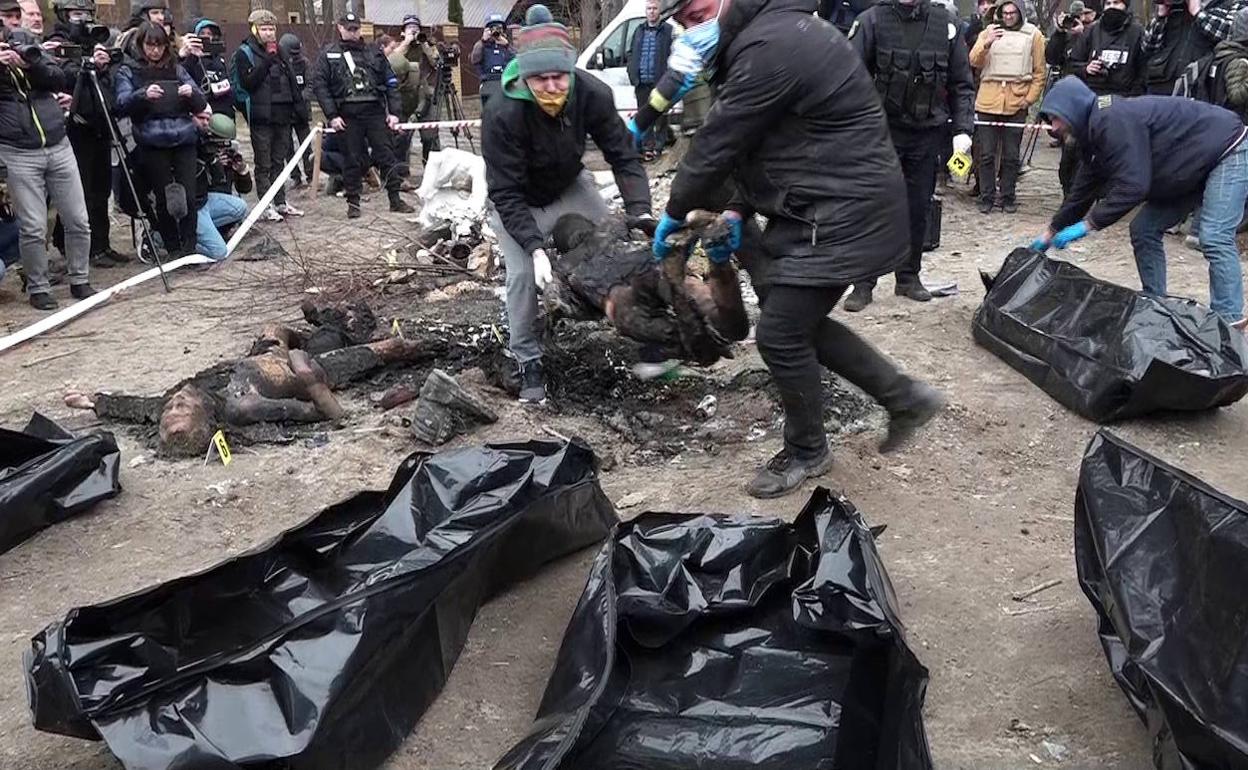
{"points": [[543, 44]]}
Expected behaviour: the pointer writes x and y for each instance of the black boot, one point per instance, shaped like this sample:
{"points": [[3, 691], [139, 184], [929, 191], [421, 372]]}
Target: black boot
{"points": [[1009, 205], [985, 205], [446, 409], [398, 205], [43, 301], [81, 291], [912, 411], [532, 383], [914, 290], [858, 299], [785, 472], [353, 209]]}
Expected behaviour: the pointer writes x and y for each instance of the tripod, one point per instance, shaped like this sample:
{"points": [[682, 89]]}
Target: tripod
{"points": [[446, 101], [1051, 77], [120, 146]]}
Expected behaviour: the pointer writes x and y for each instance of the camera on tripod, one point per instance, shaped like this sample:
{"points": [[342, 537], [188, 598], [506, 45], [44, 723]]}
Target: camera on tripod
{"points": [[449, 53]]}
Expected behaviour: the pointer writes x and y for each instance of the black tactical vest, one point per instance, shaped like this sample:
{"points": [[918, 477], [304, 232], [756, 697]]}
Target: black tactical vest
{"points": [[911, 65]]}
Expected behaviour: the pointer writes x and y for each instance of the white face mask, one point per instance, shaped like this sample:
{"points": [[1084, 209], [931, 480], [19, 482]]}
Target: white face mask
{"points": [[694, 51]]}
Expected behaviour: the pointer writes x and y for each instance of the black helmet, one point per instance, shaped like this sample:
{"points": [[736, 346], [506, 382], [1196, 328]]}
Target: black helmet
{"points": [[62, 8], [141, 8]]}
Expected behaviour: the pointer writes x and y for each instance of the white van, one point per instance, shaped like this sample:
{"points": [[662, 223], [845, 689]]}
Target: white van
{"points": [[606, 57]]}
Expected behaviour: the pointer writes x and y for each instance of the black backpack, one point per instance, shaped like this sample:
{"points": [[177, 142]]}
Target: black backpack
{"points": [[1202, 80]]}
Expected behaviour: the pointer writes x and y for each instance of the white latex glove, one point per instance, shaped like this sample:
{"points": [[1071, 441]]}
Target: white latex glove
{"points": [[542, 274], [962, 143]]}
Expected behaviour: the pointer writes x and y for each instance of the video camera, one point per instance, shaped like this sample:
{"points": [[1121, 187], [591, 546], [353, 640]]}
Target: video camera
{"points": [[213, 47]]}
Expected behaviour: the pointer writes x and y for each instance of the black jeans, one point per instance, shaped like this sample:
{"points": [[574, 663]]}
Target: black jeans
{"points": [[919, 153], [302, 129], [94, 155], [656, 139], [795, 337], [271, 144], [367, 131], [161, 166], [993, 146]]}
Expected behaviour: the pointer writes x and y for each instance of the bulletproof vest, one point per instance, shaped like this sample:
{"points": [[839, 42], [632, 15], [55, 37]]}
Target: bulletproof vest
{"points": [[911, 63], [1115, 52], [1184, 43], [279, 83], [494, 59], [361, 87], [1010, 59], [216, 83]]}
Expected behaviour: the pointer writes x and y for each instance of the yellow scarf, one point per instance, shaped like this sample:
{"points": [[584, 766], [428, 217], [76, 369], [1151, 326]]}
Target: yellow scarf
{"points": [[551, 104]]}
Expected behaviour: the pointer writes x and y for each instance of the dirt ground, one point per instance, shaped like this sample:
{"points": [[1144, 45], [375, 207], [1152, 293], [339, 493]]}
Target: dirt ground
{"points": [[978, 508]]}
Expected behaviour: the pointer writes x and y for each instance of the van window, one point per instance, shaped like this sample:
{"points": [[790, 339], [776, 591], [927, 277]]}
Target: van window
{"points": [[615, 48]]}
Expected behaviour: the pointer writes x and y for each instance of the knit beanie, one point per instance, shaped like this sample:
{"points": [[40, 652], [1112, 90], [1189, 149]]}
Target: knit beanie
{"points": [[543, 45], [1239, 25]]}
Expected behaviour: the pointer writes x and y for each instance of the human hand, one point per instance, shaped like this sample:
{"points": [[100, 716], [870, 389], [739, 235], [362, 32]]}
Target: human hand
{"points": [[667, 226], [1163, 9], [1071, 233], [100, 57], [154, 92], [11, 58], [64, 100], [502, 40], [1041, 243], [1094, 67], [191, 46], [184, 91], [1193, 7], [338, 124], [392, 122], [720, 253], [962, 143], [542, 273], [995, 33]]}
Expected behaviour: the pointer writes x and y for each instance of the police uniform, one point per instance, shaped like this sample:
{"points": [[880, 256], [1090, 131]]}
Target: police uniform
{"points": [[922, 72], [352, 80]]}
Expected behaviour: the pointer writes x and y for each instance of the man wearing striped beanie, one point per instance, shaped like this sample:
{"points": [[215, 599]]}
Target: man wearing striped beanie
{"points": [[533, 141]]}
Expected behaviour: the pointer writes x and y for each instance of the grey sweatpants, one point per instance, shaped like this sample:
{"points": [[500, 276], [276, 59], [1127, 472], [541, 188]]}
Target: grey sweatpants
{"points": [[581, 198], [34, 177]]}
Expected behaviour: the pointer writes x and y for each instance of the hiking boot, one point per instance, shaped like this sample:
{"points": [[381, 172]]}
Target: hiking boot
{"points": [[985, 205], [532, 383], [1009, 206], [784, 473], [858, 299], [914, 291], [81, 291], [446, 409], [287, 210], [400, 206], [353, 210], [918, 407], [43, 301]]}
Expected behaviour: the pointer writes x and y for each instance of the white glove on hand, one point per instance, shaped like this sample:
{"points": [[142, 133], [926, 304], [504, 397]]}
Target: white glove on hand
{"points": [[542, 274], [962, 143]]}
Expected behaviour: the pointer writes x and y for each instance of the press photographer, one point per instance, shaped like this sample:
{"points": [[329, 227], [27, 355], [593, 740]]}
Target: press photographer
{"points": [[222, 176], [1183, 32], [81, 48], [491, 55], [1070, 28], [203, 55], [40, 161], [417, 88]]}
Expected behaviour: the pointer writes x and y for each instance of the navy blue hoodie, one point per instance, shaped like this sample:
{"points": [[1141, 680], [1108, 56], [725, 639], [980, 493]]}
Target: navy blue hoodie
{"points": [[1146, 148]]}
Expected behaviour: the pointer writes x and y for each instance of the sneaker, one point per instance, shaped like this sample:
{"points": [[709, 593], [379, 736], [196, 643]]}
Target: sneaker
{"points": [[43, 301], [1241, 324], [353, 210], [271, 215], [918, 407], [1009, 206], [1192, 242], [532, 383], [400, 206], [653, 370], [914, 291], [784, 473], [334, 186], [858, 299], [985, 205], [287, 210], [81, 291]]}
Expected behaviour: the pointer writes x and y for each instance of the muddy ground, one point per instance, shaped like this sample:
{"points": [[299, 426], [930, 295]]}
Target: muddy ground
{"points": [[978, 508]]}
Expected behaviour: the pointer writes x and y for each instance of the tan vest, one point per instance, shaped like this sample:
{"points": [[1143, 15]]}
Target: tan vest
{"points": [[1009, 59]]}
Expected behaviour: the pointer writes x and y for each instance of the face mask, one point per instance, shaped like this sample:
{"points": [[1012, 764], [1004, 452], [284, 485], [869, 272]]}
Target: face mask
{"points": [[551, 104], [694, 51], [1114, 19]]}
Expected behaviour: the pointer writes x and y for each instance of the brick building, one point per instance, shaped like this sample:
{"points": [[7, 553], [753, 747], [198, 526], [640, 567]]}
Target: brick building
{"points": [[225, 11]]}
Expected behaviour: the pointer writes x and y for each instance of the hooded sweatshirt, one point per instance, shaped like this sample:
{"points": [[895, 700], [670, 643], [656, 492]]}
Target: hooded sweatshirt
{"points": [[1005, 97], [1149, 148]]}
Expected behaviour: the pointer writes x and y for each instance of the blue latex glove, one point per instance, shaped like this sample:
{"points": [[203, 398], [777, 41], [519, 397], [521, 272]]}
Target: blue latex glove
{"points": [[1069, 234], [638, 135], [667, 226], [721, 253], [1040, 244]]}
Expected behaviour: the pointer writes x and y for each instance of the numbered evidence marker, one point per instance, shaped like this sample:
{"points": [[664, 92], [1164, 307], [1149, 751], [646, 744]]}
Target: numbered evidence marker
{"points": [[959, 166], [223, 449]]}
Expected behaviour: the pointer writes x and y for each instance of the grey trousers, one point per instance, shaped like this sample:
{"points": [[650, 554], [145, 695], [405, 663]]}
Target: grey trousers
{"points": [[522, 317], [35, 176]]}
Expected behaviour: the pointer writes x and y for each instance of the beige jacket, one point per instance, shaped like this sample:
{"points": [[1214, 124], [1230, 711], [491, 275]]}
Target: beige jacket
{"points": [[1001, 97]]}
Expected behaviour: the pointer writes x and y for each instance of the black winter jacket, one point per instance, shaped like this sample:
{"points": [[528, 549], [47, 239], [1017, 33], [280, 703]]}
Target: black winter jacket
{"points": [[85, 116], [1122, 78], [331, 80], [30, 118], [273, 93], [798, 124], [1149, 148], [213, 75], [214, 175], [531, 158]]}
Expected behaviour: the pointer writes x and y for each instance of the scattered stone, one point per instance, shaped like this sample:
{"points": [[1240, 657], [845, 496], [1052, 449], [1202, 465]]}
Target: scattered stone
{"points": [[397, 396], [1055, 750], [631, 500]]}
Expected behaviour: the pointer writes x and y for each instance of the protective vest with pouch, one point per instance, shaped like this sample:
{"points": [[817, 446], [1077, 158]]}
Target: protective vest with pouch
{"points": [[911, 64], [362, 88], [494, 60], [1009, 59]]}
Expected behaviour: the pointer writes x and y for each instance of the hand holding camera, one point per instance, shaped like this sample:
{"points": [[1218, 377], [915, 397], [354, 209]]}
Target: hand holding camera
{"points": [[1095, 67], [11, 58], [101, 57], [191, 46], [995, 33]]}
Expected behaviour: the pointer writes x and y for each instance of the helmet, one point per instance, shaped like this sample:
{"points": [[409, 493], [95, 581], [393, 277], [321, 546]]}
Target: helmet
{"points": [[291, 44], [495, 20], [410, 19], [143, 6], [262, 17], [62, 8], [221, 126]]}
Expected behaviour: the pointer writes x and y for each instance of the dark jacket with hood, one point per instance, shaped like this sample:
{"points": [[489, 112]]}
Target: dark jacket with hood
{"points": [[933, 86], [799, 126], [1119, 50], [212, 74], [273, 94], [30, 118], [1149, 148], [158, 124], [332, 80], [531, 158]]}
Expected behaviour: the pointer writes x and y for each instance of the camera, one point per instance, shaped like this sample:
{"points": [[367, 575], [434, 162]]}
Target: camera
{"points": [[449, 53], [1069, 22], [69, 51], [213, 47]]}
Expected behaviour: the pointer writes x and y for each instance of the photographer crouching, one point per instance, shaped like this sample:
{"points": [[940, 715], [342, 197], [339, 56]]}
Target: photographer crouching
{"points": [[221, 178], [39, 159], [81, 48]]}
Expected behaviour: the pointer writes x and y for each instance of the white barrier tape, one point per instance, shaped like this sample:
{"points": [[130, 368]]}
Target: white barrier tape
{"points": [[78, 308]]}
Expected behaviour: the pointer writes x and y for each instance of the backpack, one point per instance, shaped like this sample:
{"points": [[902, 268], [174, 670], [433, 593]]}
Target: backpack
{"points": [[1200, 81], [241, 98]]}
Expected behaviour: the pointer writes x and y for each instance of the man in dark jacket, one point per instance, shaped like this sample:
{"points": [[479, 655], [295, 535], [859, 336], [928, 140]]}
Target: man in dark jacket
{"points": [[292, 46], [210, 69], [1180, 34], [1070, 28], [792, 91], [647, 63], [533, 140], [270, 99], [358, 93], [221, 178], [923, 74], [40, 162], [491, 55], [1169, 154]]}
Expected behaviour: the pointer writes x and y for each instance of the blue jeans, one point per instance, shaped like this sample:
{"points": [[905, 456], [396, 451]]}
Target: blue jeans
{"points": [[1221, 208], [219, 211]]}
